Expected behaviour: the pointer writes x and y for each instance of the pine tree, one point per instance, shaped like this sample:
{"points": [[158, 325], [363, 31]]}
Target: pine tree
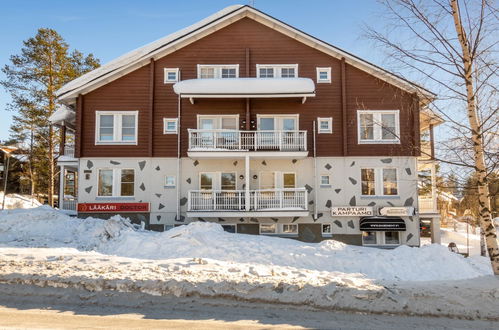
{"points": [[32, 78]]}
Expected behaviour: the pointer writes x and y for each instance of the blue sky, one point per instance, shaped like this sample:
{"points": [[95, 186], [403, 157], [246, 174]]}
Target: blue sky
{"points": [[110, 28]]}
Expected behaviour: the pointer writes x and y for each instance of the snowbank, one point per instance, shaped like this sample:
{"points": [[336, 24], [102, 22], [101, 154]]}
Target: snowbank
{"points": [[16, 201], [44, 227]]}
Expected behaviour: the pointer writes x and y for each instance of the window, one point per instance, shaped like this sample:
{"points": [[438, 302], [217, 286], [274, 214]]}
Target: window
{"points": [[230, 228], [229, 122], [325, 181], [127, 182], [217, 180], [378, 126], [327, 229], [116, 182], [323, 75], [379, 181], [283, 229], [218, 71], [116, 127], [170, 181], [228, 181], [171, 75], [105, 185], [277, 123], [170, 125], [381, 238], [277, 70], [325, 125]]}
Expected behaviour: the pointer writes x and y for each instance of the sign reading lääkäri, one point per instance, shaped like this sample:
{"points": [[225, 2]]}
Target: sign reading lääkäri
{"points": [[345, 211], [113, 207]]}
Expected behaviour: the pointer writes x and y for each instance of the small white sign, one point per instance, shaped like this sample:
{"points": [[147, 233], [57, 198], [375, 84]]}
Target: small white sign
{"points": [[345, 211], [397, 211], [1, 168]]}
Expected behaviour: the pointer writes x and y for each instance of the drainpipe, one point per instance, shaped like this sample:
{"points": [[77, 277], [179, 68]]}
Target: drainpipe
{"points": [[315, 176], [178, 154]]}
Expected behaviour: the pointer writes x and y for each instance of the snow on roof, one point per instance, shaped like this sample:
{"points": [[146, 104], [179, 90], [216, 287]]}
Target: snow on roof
{"points": [[245, 86], [63, 114], [140, 53]]}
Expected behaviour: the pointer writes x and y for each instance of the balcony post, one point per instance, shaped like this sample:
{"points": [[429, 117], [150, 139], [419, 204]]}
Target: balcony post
{"points": [[433, 188], [247, 182], [189, 200], [62, 178]]}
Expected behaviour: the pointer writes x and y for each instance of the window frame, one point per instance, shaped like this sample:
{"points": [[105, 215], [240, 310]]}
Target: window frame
{"points": [[329, 120], [325, 185], [278, 120], [217, 70], [328, 72], [377, 128], [166, 185], [165, 125], [218, 119], [380, 238], [324, 233], [177, 75], [117, 127], [378, 181], [217, 180], [277, 70], [279, 229], [116, 182]]}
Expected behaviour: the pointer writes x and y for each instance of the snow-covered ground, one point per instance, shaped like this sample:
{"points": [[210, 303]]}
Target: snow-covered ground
{"points": [[47, 248], [17, 201]]}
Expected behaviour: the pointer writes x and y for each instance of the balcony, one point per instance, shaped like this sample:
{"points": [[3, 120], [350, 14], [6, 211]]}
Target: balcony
{"points": [[291, 143], [427, 204], [255, 203], [69, 150]]}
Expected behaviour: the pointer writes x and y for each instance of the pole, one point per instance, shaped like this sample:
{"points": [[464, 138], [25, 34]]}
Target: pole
{"points": [[468, 236], [5, 176]]}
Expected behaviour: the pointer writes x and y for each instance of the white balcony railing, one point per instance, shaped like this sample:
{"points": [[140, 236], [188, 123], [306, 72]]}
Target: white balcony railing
{"points": [[427, 204], [259, 200], [69, 204], [69, 150], [219, 140]]}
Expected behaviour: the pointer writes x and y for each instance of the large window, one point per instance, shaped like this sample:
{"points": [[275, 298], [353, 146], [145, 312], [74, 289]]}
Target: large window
{"points": [[277, 70], [378, 126], [283, 229], [381, 238], [218, 71], [217, 180], [379, 181], [116, 127], [116, 182]]}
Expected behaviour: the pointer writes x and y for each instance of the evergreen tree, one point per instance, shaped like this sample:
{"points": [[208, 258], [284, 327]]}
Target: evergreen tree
{"points": [[44, 65]]}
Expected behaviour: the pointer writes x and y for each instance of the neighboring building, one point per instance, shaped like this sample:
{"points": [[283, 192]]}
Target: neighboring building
{"points": [[243, 120]]}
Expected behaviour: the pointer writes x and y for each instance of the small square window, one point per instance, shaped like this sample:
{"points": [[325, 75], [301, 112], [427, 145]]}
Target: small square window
{"points": [[326, 229], [325, 125], [323, 75], [171, 75], [170, 181], [325, 181], [170, 126]]}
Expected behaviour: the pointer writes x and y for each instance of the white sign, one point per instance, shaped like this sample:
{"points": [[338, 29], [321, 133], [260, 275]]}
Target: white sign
{"points": [[351, 211], [397, 211], [1, 168]]}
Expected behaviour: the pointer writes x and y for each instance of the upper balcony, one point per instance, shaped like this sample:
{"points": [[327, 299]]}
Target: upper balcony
{"points": [[235, 143]]}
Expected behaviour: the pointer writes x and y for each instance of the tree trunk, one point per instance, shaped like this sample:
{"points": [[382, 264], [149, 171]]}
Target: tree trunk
{"points": [[485, 217]]}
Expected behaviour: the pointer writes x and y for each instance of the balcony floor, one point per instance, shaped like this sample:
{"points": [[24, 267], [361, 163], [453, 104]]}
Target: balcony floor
{"points": [[242, 214], [253, 154]]}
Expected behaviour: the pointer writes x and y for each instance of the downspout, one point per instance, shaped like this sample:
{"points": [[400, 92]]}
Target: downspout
{"points": [[315, 176], [179, 131]]}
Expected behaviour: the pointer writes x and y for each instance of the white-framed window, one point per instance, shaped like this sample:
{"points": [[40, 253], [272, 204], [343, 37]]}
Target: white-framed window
{"points": [[327, 229], [211, 71], [323, 75], [379, 181], [290, 229], [171, 75], [170, 181], [170, 125], [325, 180], [277, 122], [214, 122], [325, 125], [380, 238], [378, 126], [116, 127], [116, 182], [217, 180], [277, 70]]}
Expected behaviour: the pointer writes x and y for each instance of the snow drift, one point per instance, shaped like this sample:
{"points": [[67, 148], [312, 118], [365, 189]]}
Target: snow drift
{"points": [[17, 201], [44, 227]]}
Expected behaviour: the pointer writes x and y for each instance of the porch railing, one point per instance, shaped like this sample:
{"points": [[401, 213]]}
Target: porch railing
{"points": [[219, 140], [259, 200], [69, 204], [69, 150]]}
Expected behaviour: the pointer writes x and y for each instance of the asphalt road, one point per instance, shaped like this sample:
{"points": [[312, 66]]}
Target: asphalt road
{"points": [[32, 307]]}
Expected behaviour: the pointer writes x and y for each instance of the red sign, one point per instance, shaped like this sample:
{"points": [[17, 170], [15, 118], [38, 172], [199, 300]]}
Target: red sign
{"points": [[113, 207]]}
